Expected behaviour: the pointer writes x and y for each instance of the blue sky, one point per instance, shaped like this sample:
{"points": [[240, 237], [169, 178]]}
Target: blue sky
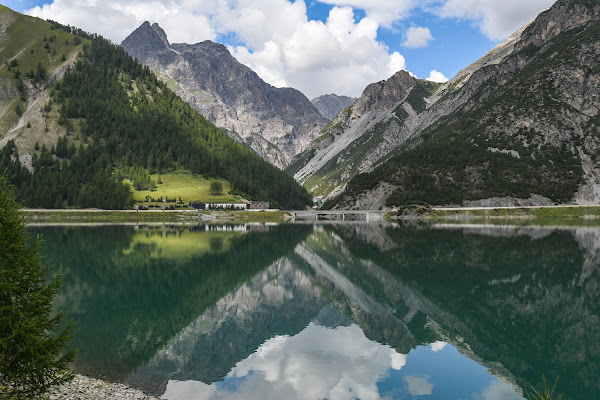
{"points": [[318, 47], [456, 43]]}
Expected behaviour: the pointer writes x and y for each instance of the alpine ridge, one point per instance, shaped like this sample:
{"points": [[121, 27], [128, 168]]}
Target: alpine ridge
{"points": [[277, 123], [518, 127]]}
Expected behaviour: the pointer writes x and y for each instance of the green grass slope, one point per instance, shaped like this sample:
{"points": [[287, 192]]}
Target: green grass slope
{"points": [[187, 187], [29, 47]]}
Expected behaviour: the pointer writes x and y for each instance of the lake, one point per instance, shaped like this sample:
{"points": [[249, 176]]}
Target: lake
{"points": [[349, 311]]}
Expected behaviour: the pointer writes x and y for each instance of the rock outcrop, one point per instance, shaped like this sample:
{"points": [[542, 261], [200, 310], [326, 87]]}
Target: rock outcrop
{"points": [[330, 105], [361, 136], [277, 123]]}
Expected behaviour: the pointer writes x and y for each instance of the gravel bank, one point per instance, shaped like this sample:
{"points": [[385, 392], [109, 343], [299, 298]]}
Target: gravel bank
{"points": [[84, 388]]}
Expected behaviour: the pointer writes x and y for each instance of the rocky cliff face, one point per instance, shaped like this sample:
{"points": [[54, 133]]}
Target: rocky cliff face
{"points": [[520, 124], [330, 105], [362, 135], [277, 123]]}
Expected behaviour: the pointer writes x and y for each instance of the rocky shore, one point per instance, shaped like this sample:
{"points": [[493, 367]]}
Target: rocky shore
{"points": [[84, 388]]}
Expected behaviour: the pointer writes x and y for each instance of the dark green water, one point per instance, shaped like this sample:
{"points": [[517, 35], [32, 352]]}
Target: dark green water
{"points": [[335, 311]]}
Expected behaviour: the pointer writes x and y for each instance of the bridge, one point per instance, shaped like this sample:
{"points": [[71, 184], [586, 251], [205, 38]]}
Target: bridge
{"points": [[370, 215]]}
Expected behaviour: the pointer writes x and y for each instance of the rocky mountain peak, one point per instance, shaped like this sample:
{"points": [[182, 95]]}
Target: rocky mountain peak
{"points": [[330, 105], [160, 33], [214, 47], [562, 16], [384, 94], [277, 123], [145, 39], [520, 112]]}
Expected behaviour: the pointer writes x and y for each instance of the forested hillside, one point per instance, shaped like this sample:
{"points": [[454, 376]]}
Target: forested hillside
{"points": [[121, 115], [527, 129]]}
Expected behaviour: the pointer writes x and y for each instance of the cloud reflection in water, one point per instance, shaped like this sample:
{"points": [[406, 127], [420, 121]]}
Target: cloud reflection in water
{"points": [[319, 362], [338, 364]]}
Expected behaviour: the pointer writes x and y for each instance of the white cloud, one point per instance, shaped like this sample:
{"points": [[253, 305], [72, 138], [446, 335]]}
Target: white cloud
{"points": [[202, 29], [115, 19], [398, 361], [496, 19], [340, 55], [417, 36], [385, 12], [499, 391], [436, 76], [275, 37], [397, 63], [418, 386]]}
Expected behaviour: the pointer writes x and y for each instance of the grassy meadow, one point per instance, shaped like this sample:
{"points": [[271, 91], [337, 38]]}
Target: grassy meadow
{"points": [[186, 185]]}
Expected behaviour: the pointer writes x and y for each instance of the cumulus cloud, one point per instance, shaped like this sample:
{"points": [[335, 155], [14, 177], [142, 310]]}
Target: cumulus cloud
{"points": [[495, 19], [417, 36], [499, 391], [276, 38], [115, 19], [340, 55], [436, 76], [438, 346], [385, 12]]}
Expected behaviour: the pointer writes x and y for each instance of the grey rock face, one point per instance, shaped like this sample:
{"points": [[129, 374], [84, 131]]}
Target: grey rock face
{"points": [[361, 136], [330, 105], [277, 123]]}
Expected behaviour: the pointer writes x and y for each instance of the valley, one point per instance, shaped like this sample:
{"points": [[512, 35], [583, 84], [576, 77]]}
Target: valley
{"points": [[517, 127], [290, 200]]}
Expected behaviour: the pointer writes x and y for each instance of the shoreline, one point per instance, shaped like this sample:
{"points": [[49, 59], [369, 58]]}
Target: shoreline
{"points": [[520, 216], [86, 388], [33, 216], [541, 216]]}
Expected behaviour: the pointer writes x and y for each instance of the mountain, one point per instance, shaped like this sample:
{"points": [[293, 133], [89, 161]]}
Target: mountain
{"points": [[277, 123], [78, 112], [330, 105], [359, 140], [519, 126], [382, 118], [278, 301]]}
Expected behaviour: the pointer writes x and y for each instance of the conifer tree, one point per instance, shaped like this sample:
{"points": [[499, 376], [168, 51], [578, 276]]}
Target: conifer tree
{"points": [[31, 354], [216, 188]]}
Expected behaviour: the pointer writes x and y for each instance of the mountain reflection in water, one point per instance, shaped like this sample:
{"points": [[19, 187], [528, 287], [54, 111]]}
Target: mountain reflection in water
{"points": [[340, 311]]}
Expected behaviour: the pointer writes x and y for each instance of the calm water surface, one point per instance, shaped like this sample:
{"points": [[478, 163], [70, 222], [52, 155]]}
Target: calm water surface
{"points": [[334, 311]]}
